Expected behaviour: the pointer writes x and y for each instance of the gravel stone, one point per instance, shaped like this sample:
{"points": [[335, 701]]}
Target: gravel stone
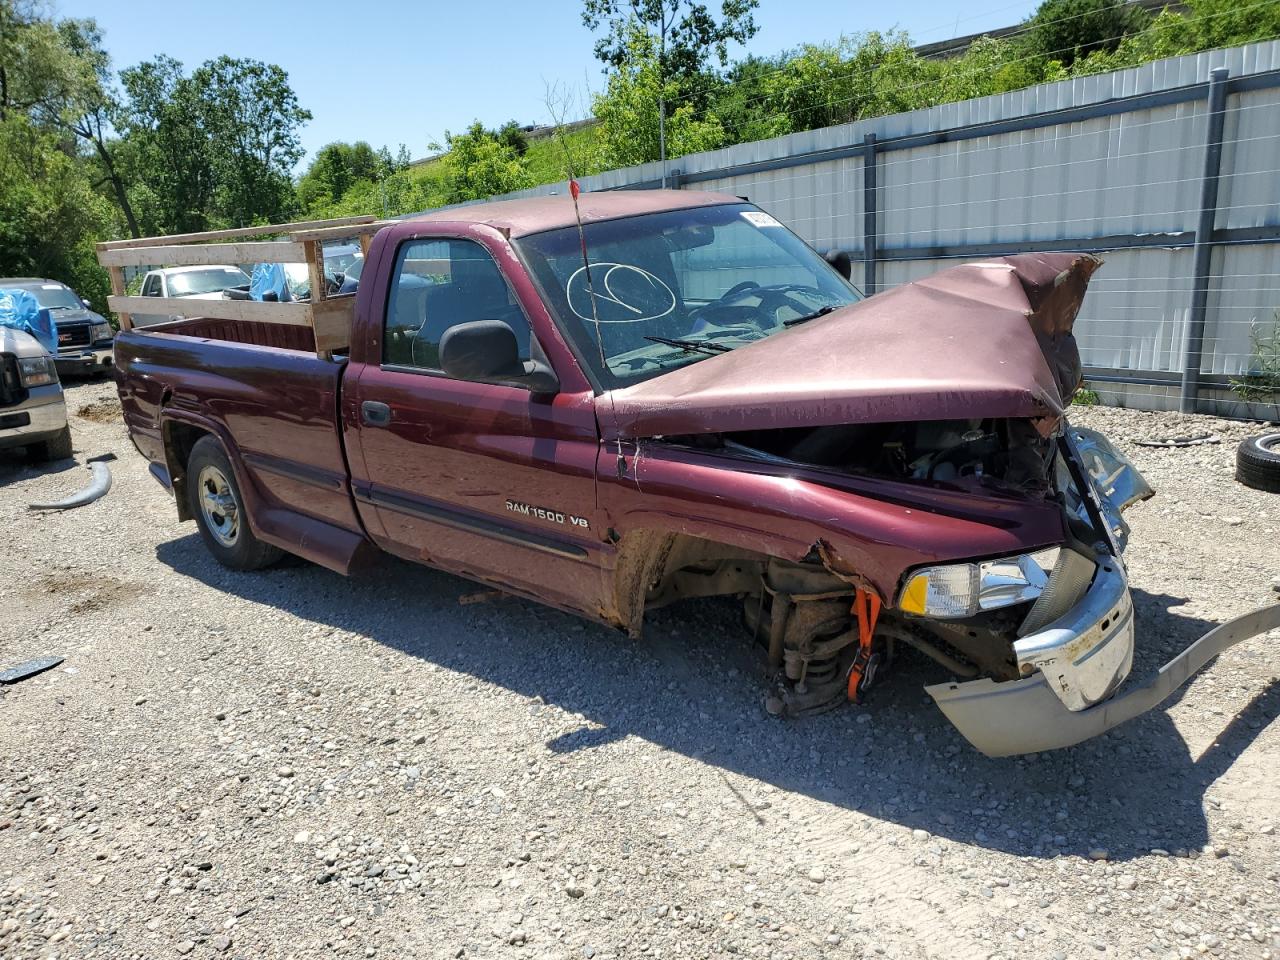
{"points": [[564, 792]]}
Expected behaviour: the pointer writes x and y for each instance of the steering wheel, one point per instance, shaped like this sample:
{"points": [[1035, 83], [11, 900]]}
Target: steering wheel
{"points": [[773, 298], [730, 294]]}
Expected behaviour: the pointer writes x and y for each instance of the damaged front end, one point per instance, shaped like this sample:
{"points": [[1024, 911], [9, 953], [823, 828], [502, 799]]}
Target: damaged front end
{"points": [[979, 529], [1061, 610]]}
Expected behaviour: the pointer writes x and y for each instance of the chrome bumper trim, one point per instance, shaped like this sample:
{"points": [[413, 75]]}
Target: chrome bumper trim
{"points": [[1088, 651], [1025, 716]]}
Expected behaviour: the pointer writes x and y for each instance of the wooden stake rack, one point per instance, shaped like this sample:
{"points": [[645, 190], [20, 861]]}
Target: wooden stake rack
{"points": [[330, 318]]}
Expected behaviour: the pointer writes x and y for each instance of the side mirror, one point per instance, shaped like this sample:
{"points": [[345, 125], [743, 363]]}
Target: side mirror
{"points": [[487, 350], [87, 303], [842, 262]]}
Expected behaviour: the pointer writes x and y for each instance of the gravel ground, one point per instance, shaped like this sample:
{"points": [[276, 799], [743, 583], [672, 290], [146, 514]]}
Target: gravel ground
{"points": [[291, 764]]}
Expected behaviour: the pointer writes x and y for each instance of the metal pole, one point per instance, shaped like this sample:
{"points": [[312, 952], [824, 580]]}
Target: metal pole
{"points": [[1202, 252], [870, 231], [662, 138], [662, 101]]}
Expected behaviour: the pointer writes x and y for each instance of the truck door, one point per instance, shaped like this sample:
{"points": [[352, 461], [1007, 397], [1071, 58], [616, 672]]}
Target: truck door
{"points": [[482, 479]]}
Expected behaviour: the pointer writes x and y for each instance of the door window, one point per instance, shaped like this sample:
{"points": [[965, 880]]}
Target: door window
{"points": [[438, 284], [151, 288]]}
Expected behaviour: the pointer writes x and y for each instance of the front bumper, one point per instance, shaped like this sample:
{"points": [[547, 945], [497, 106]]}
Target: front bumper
{"points": [[95, 359], [1085, 654], [1070, 667], [1040, 712], [38, 418]]}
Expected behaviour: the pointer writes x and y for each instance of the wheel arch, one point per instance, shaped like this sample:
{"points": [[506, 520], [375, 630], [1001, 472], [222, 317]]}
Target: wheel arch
{"points": [[180, 435]]}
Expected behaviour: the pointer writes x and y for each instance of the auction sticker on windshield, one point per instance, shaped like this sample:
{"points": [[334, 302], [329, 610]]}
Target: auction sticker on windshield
{"points": [[759, 218]]}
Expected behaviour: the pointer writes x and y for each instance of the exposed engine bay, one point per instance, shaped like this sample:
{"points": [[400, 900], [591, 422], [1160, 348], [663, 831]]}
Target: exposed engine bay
{"points": [[827, 635], [995, 453]]}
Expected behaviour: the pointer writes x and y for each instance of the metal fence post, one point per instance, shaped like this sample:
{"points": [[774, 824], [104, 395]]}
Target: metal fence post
{"points": [[1193, 339], [870, 230]]}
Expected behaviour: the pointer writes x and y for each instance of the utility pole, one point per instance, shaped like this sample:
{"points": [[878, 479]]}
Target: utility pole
{"points": [[662, 94]]}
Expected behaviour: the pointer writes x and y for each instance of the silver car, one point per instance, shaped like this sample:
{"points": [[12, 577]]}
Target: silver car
{"points": [[33, 412]]}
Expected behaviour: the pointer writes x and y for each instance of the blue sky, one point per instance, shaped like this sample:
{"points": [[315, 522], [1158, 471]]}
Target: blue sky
{"points": [[404, 72]]}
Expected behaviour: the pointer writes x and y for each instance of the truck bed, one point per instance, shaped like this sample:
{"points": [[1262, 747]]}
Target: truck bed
{"points": [[283, 336], [260, 389]]}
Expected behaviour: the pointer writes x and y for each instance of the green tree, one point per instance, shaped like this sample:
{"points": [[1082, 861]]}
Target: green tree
{"points": [[480, 165], [336, 168], [629, 116], [50, 213], [679, 36], [685, 32], [511, 134], [34, 65], [737, 99], [216, 148], [1065, 30], [88, 107], [251, 119], [1204, 25], [166, 152]]}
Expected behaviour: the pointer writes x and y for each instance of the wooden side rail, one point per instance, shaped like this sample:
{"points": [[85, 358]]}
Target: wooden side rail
{"points": [[329, 317]]}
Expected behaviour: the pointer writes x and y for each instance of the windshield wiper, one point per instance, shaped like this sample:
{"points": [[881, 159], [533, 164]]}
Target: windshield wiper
{"points": [[693, 346], [820, 312]]}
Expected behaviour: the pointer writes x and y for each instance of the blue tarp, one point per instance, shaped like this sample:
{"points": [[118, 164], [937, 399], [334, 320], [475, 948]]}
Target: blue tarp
{"points": [[269, 278], [20, 309]]}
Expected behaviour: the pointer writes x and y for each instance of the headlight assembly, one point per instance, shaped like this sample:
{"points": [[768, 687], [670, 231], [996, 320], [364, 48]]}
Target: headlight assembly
{"points": [[99, 331], [37, 371], [964, 589]]}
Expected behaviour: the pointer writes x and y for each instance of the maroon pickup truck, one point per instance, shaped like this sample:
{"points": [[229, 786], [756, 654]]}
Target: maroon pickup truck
{"points": [[675, 397]]}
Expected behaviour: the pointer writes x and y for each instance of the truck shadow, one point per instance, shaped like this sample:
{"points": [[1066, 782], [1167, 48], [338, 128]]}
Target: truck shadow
{"points": [[18, 464], [693, 686]]}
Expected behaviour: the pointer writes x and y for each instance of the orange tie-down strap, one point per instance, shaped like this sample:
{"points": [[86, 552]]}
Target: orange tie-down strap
{"points": [[866, 607]]}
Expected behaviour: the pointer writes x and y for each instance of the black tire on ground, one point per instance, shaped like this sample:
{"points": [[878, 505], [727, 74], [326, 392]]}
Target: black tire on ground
{"points": [[59, 448], [215, 501], [1258, 462]]}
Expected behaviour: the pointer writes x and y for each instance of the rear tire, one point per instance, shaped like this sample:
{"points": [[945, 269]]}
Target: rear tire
{"points": [[1258, 462], [59, 448], [215, 501]]}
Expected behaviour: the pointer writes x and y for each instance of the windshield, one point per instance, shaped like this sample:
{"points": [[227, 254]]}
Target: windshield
{"points": [[674, 288], [338, 259], [351, 270], [55, 296], [190, 283]]}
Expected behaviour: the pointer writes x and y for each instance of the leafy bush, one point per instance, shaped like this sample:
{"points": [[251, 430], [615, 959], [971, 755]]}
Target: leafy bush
{"points": [[479, 164], [628, 112]]}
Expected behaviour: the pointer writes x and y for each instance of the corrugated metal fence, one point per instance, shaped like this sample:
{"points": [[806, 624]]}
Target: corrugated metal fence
{"points": [[1170, 172]]}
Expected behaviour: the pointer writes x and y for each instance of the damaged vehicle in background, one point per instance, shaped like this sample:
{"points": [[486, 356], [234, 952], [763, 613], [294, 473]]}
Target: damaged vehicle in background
{"points": [[678, 398]]}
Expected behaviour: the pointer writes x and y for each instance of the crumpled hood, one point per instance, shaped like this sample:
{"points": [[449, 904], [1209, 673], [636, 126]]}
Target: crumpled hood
{"points": [[987, 339]]}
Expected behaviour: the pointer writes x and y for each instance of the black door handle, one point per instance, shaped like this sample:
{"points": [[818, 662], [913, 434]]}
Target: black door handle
{"points": [[375, 414]]}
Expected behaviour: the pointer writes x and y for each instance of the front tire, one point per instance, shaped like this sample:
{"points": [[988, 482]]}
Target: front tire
{"points": [[215, 501]]}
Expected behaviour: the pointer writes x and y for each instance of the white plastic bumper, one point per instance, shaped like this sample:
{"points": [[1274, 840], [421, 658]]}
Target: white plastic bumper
{"points": [[1028, 716]]}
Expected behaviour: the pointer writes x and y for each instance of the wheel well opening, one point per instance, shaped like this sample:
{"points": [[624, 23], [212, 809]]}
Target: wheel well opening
{"points": [[179, 439]]}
